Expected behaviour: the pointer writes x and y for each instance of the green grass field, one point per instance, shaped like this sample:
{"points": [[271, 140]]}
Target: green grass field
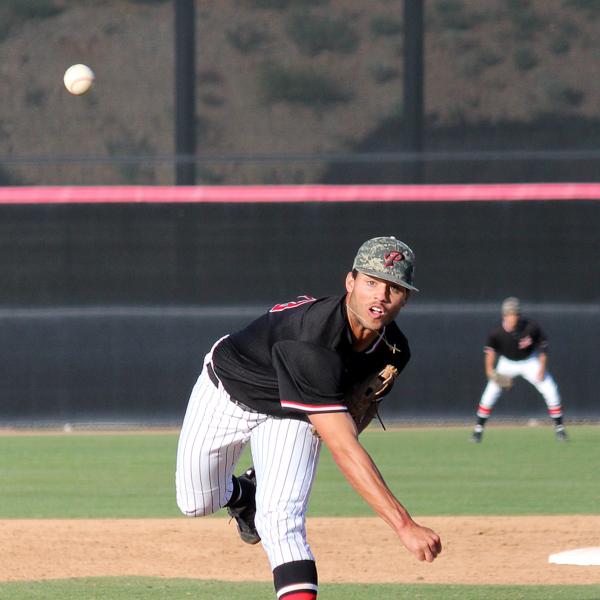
{"points": [[515, 471], [143, 588]]}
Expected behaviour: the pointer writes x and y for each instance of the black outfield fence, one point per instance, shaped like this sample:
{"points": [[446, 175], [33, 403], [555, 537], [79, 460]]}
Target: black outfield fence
{"points": [[107, 309], [139, 364]]}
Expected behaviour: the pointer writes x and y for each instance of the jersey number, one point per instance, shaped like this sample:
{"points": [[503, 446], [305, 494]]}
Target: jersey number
{"points": [[294, 304]]}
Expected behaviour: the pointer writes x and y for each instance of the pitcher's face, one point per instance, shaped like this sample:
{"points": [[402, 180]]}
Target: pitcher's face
{"points": [[509, 321], [376, 301]]}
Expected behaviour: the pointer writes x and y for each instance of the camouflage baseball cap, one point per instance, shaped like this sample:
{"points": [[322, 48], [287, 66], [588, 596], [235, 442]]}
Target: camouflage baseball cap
{"points": [[511, 306], [387, 258]]}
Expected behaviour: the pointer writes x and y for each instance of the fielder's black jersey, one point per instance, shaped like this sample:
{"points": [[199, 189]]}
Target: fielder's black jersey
{"points": [[297, 359], [519, 344]]}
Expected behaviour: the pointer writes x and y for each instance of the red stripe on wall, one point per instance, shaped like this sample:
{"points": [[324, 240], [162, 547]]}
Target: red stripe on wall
{"points": [[300, 193]]}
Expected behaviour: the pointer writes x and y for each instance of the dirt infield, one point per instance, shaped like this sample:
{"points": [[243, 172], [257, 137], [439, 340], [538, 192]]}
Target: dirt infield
{"points": [[477, 550]]}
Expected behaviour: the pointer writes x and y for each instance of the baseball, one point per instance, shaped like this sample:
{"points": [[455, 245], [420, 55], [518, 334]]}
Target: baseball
{"points": [[78, 79]]}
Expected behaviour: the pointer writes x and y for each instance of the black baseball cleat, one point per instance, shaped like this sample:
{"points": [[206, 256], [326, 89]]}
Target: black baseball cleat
{"points": [[244, 515], [561, 434], [476, 437]]}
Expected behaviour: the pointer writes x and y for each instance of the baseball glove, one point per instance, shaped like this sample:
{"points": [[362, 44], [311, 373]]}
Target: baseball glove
{"points": [[504, 381], [362, 399]]}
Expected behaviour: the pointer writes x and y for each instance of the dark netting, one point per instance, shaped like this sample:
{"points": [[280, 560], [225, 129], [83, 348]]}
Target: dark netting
{"points": [[301, 91], [107, 310], [250, 253], [140, 363]]}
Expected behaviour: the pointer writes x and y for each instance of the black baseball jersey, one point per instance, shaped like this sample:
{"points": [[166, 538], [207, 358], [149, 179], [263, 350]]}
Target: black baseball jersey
{"points": [[297, 359], [519, 344]]}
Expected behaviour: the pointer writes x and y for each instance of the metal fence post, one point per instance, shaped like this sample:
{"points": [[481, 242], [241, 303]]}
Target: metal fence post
{"points": [[185, 92], [413, 83]]}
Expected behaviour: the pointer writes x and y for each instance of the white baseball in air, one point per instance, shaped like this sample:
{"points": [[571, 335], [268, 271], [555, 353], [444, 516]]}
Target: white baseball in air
{"points": [[79, 79]]}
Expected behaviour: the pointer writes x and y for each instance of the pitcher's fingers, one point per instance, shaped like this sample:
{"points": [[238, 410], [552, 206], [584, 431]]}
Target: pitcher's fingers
{"points": [[433, 550]]}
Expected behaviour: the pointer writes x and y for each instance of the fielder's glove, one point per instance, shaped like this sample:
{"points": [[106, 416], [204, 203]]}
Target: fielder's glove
{"points": [[504, 381], [362, 399]]}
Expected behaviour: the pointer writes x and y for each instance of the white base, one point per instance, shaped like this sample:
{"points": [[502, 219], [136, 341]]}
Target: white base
{"points": [[581, 556]]}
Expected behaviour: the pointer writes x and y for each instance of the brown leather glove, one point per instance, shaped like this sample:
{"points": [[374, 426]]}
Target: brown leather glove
{"points": [[504, 381], [362, 399]]}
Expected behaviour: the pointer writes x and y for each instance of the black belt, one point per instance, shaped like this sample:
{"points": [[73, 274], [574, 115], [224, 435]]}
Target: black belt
{"points": [[215, 380], [212, 375]]}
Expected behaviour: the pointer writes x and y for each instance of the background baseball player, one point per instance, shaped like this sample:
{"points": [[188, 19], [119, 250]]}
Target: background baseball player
{"points": [[520, 348], [284, 384]]}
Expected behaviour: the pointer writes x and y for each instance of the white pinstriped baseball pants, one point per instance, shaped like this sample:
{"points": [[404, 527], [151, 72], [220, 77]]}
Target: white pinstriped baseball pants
{"points": [[528, 369], [285, 453]]}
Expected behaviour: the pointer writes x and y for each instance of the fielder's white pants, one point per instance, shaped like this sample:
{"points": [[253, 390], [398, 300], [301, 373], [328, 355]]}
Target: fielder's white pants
{"points": [[285, 455], [527, 369]]}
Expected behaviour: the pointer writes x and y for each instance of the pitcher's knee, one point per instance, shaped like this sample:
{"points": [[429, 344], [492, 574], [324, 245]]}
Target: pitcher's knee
{"points": [[193, 512], [192, 507]]}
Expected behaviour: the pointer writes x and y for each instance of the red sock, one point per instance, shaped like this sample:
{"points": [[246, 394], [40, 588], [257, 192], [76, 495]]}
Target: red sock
{"points": [[299, 596]]}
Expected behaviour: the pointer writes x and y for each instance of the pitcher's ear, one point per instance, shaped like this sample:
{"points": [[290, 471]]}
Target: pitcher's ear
{"points": [[350, 282]]}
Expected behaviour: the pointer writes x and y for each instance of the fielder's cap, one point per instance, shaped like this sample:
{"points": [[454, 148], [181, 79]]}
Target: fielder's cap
{"points": [[389, 259], [511, 306]]}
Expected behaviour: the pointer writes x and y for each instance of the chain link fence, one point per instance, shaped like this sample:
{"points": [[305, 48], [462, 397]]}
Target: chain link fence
{"points": [[301, 91]]}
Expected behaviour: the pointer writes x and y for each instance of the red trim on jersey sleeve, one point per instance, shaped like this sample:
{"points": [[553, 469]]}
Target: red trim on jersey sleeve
{"points": [[313, 408], [309, 377], [293, 304]]}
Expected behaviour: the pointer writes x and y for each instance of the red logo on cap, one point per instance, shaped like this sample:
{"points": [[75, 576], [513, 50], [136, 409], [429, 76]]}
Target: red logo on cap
{"points": [[392, 257]]}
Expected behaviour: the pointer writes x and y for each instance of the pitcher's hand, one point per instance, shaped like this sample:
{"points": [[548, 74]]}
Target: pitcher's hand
{"points": [[423, 542]]}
